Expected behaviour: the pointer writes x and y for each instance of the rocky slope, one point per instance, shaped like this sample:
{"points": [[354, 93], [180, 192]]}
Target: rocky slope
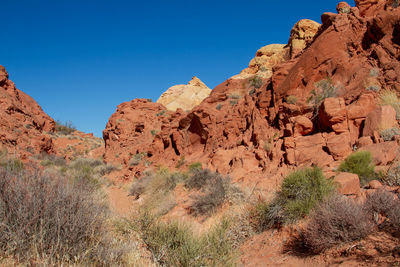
{"points": [[252, 124], [184, 96], [23, 124]]}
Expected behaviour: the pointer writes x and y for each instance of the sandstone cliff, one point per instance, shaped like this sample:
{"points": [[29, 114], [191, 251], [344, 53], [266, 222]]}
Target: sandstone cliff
{"points": [[23, 124], [185, 96], [317, 104]]}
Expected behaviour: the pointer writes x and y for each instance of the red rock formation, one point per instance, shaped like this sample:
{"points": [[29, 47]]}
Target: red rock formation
{"points": [[23, 124], [245, 127]]}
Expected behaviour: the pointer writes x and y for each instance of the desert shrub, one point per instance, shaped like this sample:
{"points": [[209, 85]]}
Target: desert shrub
{"points": [[388, 134], [395, 3], [195, 166], [337, 220], [233, 102], [105, 169], [234, 96], [361, 164], [256, 82], [214, 193], [156, 189], [214, 190], [219, 106], [301, 191], [136, 159], [252, 92], [291, 99], [373, 88], [267, 146], [12, 164], [65, 128], [323, 89], [392, 178], [51, 160], [200, 178], [389, 97], [174, 244], [374, 72], [180, 162], [386, 204], [161, 113], [153, 132], [52, 218]]}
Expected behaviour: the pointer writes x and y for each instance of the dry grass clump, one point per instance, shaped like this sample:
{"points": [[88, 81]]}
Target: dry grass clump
{"points": [[174, 244], [53, 220], [336, 221], [156, 189], [389, 97], [214, 189]]}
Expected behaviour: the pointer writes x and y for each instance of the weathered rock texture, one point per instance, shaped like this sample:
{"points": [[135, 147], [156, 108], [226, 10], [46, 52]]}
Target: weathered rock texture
{"points": [[23, 124], [311, 109], [269, 56], [186, 96]]}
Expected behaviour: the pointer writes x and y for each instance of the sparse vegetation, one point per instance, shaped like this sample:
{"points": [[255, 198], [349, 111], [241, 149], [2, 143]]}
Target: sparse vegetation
{"points": [[337, 220], [252, 91], [214, 189], [161, 113], [233, 102], [373, 88], [180, 162], [301, 191], [137, 158], [389, 97], [256, 82], [388, 134], [174, 244], [195, 166], [361, 164], [65, 128], [291, 99], [153, 132], [392, 178], [234, 96], [323, 89], [219, 106], [52, 219], [386, 204]]}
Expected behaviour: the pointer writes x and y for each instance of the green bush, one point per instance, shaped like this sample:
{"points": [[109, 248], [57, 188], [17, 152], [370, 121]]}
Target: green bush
{"points": [[65, 128], [361, 164], [300, 192]]}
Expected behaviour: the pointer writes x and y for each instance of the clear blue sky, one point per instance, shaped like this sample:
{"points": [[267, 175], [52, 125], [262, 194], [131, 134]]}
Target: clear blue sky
{"points": [[80, 59]]}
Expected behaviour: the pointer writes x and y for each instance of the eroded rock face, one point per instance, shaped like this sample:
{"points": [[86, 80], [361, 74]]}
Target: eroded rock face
{"points": [[301, 36], [309, 109], [186, 96], [23, 124]]}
